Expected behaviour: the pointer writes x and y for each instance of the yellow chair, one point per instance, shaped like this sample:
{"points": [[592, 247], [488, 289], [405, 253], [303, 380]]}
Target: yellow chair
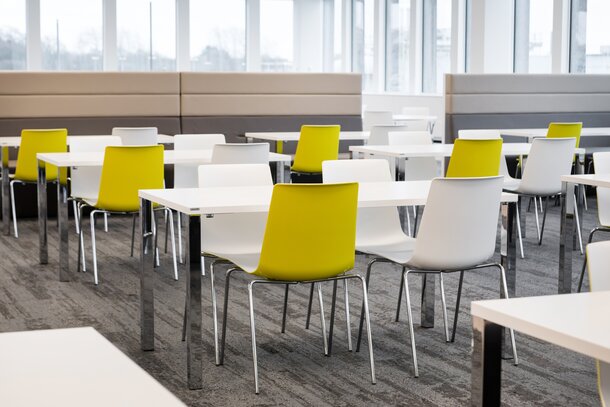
{"points": [[125, 171], [564, 130], [310, 237], [26, 172], [316, 144], [475, 158]]}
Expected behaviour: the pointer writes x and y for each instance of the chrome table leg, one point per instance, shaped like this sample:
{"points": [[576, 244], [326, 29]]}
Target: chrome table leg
{"points": [[486, 368], [147, 295], [508, 246], [62, 219], [566, 238], [42, 213], [6, 206], [194, 345]]}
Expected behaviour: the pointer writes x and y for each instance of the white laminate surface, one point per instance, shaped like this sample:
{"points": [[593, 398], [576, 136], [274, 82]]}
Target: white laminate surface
{"points": [[541, 132], [579, 322], [198, 201], [595, 180], [170, 157], [413, 117], [13, 141], [73, 367], [436, 150], [294, 135]]}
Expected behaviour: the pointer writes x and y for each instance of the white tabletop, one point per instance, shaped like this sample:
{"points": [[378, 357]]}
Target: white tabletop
{"points": [[413, 117], [436, 150], [595, 180], [294, 135], [16, 141], [73, 367], [170, 157], [579, 322], [541, 132], [199, 201]]}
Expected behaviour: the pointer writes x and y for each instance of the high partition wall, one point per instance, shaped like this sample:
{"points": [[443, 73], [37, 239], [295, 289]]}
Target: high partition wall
{"points": [[510, 101]]}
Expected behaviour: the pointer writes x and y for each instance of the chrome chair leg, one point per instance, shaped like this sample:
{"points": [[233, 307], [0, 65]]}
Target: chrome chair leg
{"points": [[512, 333], [133, 232], [285, 308], [544, 212], [537, 219], [170, 216], [253, 334], [224, 315], [398, 304], [368, 278], [405, 277], [214, 314], [444, 303], [93, 248], [322, 319], [365, 300], [76, 217], [348, 323], [179, 221], [166, 220], [106, 222], [457, 306], [519, 231], [81, 239], [309, 305], [13, 207], [578, 232], [333, 305]]}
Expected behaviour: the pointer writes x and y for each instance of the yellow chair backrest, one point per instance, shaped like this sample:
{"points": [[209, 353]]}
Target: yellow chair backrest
{"points": [[126, 170], [310, 232], [316, 144], [475, 158], [39, 141], [562, 130]]}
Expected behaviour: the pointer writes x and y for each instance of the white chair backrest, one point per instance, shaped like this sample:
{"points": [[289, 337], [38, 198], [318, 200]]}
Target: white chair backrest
{"points": [[479, 134], [601, 162], [416, 110], [241, 153], [372, 118], [85, 181], [548, 160], [598, 265], [236, 232], [459, 224], [418, 168], [136, 136], [379, 134], [373, 224], [185, 175]]}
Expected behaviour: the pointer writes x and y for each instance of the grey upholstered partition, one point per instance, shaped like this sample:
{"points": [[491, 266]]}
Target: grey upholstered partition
{"points": [[508, 101], [234, 103]]}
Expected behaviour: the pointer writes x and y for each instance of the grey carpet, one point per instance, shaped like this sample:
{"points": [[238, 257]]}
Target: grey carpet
{"points": [[293, 370]]}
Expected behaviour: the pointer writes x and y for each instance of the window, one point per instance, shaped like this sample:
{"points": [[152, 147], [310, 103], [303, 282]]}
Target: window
{"points": [[12, 34], [590, 47], [398, 44], [533, 36], [146, 35], [218, 35], [436, 44], [71, 34], [363, 37], [276, 33]]}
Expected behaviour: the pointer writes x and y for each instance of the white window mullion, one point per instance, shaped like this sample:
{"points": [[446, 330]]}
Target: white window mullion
{"points": [[183, 43], [253, 35], [416, 54], [458, 36], [346, 39], [560, 43], [379, 47], [109, 35], [32, 33]]}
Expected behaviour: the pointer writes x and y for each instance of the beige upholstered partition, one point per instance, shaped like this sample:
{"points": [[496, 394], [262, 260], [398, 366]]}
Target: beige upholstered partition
{"points": [[89, 102], [507, 101], [234, 103]]}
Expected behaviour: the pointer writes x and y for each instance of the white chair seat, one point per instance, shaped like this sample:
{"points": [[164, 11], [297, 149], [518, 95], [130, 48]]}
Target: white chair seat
{"points": [[398, 251], [511, 184], [247, 261]]}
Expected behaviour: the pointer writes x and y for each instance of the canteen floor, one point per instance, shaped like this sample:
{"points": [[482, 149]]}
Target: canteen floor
{"points": [[293, 370]]}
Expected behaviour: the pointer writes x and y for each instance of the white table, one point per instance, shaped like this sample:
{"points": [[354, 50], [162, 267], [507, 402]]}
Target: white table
{"points": [[197, 202], [568, 223], [82, 159], [73, 368], [15, 142], [429, 119], [578, 322], [293, 136], [541, 132]]}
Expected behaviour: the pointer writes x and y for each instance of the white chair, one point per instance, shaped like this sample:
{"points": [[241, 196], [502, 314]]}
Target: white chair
{"points": [[379, 133], [85, 181], [418, 168], [241, 153], [601, 162], [233, 236], [372, 118], [548, 160], [598, 255], [185, 175], [136, 136], [416, 110]]}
